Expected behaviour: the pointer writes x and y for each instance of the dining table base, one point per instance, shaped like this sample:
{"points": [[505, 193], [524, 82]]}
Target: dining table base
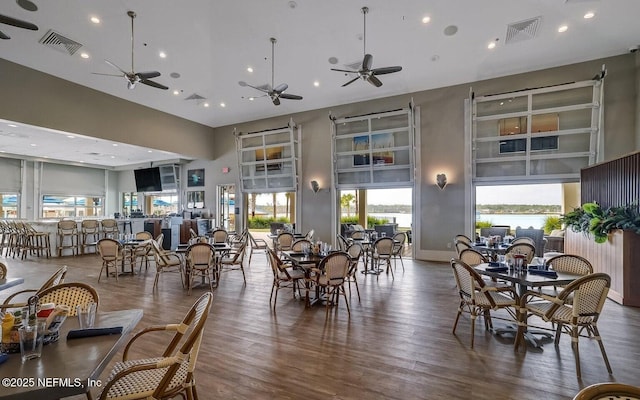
{"points": [[528, 335]]}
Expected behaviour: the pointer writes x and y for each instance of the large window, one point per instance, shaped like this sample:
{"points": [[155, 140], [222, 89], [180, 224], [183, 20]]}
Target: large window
{"points": [[9, 203], [72, 206]]}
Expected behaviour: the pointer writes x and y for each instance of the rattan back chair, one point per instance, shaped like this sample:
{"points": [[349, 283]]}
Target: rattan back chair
{"points": [[113, 255], [472, 257], [144, 235], [331, 274], [526, 249], [70, 294], [170, 374], [166, 261], [283, 276], [257, 244], [398, 247], [462, 238], [577, 318], [201, 262], [234, 260], [523, 239], [284, 241], [461, 245], [355, 251], [55, 279], [3, 270], [220, 236], [382, 252], [609, 391], [299, 245], [478, 299]]}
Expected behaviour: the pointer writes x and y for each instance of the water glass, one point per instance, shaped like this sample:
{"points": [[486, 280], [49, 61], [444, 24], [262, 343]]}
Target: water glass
{"points": [[31, 338], [86, 315]]}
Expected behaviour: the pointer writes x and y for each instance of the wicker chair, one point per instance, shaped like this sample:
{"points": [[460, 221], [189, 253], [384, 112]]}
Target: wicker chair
{"points": [[299, 244], [172, 373], [342, 242], [382, 251], [580, 315], [55, 279], [355, 251], [70, 294], [144, 235], [526, 249], [524, 239], [3, 270], [67, 236], [609, 391], [284, 242], [398, 247], [201, 261], [233, 260], [477, 298], [142, 252], [462, 238], [283, 276], [109, 228], [166, 261], [257, 244], [220, 236], [568, 263], [472, 257], [331, 274], [112, 254], [89, 234], [461, 245]]}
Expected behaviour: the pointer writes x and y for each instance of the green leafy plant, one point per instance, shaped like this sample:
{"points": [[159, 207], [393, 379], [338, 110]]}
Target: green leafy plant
{"points": [[483, 224], [551, 222], [593, 220]]}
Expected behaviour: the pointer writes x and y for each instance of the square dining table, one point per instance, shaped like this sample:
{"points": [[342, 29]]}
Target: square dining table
{"points": [[67, 367]]}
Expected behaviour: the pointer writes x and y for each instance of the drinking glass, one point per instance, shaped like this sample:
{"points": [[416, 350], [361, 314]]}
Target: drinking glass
{"points": [[86, 315], [31, 337]]}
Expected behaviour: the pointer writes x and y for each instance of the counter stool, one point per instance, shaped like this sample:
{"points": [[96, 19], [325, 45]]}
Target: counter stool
{"points": [[90, 231], [67, 236], [110, 228], [38, 242]]}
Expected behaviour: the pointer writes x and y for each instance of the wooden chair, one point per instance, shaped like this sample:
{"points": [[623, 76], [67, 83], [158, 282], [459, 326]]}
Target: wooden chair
{"points": [[382, 252], [283, 276], [171, 373], [55, 279], [89, 234], [109, 228], [166, 261], [113, 255], [398, 247], [67, 236], [257, 244], [588, 295], [355, 251], [201, 261], [70, 294], [38, 243], [233, 260], [609, 391], [331, 274], [478, 299]]}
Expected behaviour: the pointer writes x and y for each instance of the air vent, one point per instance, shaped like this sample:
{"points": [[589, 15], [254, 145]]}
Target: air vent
{"points": [[523, 30], [60, 42], [195, 96]]}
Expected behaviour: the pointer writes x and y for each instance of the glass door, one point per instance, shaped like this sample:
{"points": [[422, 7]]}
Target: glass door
{"points": [[227, 207]]}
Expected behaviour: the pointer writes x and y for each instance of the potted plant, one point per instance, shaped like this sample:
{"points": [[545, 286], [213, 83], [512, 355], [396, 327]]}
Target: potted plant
{"points": [[591, 219]]}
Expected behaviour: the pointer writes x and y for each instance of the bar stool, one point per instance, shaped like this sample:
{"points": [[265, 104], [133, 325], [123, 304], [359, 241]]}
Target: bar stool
{"points": [[110, 228], [38, 242], [90, 231], [67, 236]]}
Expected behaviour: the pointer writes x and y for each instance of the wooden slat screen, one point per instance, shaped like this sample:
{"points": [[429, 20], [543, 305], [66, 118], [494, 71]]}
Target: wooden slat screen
{"points": [[613, 183]]}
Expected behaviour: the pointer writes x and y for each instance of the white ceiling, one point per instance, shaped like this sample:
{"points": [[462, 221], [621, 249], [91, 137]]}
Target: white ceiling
{"points": [[211, 44]]}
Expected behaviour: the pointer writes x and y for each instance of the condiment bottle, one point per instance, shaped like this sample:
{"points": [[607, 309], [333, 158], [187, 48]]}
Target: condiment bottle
{"points": [[7, 325]]}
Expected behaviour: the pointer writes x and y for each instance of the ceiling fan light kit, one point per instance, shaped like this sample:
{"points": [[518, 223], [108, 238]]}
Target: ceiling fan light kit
{"points": [[274, 92], [133, 77], [366, 73]]}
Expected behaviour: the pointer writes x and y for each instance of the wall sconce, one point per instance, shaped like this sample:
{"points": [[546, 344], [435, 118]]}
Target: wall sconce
{"points": [[441, 181], [315, 186]]}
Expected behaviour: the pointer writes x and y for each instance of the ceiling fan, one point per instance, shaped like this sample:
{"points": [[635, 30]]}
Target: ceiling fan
{"points": [[135, 77], [7, 20], [365, 72], [274, 92]]}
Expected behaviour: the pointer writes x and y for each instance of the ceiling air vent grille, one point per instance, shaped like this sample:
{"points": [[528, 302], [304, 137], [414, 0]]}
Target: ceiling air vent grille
{"points": [[523, 30], [195, 96], [60, 42]]}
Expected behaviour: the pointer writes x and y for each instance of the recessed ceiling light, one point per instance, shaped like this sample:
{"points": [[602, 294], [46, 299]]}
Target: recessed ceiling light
{"points": [[13, 125], [162, 54], [206, 104], [563, 28], [149, 151], [176, 92], [33, 145], [84, 55], [95, 20], [81, 161], [222, 105], [251, 98], [491, 45], [249, 69], [115, 145], [589, 15], [71, 136], [3, 151], [113, 156], [426, 19], [316, 83]]}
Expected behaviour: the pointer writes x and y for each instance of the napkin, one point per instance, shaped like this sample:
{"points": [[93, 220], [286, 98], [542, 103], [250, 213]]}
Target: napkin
{"points": [[89, 332], [296, 254], [494, 264], [496, 269], [550, 274]]}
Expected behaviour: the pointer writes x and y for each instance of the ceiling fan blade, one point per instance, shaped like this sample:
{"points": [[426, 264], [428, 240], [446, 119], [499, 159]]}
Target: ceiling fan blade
{"points": [[153, 84], [367, 61], [148, 74], [276, 100], [116, 67], [374, 81], [263, 88], [386, 70], [290, 96], [280, 88], [344, 70], [351, 81], [4, 19], [4, 36], [100, 73]]}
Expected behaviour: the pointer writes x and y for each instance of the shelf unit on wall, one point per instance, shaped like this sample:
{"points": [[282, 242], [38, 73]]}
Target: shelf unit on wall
{"points": [[538, 134], [374, 150]]}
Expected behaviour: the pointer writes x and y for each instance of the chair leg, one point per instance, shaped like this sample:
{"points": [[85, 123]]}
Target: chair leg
{"points": [[596, 335], [346, 301], [473, 327], [574, 346], [455, 323]]}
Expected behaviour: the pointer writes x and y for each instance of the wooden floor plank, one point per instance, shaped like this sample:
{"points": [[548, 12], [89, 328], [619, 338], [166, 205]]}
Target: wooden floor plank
{"points": [[396, 345]]}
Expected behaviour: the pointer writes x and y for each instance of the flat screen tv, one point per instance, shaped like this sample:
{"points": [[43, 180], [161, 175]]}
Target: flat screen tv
{"points": [[148, 179]]}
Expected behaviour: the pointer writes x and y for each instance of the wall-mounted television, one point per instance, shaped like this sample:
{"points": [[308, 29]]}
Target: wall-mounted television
{"points": [[148, 180]]}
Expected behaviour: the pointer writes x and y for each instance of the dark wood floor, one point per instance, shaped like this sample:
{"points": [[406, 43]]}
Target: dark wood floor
{"points": [[396, 345]]}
